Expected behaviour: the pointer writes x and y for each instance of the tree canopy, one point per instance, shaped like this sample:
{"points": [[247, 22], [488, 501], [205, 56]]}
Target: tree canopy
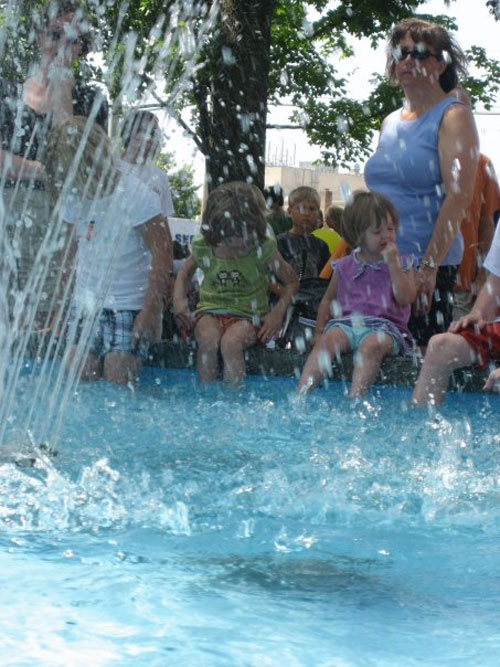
{"points": [[182, 186], [228, 60]]}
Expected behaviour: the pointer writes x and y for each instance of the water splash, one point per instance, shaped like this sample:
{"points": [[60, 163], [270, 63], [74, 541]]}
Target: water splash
{"points": [[170, 48]]}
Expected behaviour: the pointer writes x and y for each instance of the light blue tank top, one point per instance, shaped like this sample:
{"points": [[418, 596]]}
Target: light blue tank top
{"points": [[405, 168]]}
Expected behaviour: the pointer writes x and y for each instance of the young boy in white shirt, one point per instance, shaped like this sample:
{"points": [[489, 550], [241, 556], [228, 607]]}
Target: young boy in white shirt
{"points": [[123, 253]]}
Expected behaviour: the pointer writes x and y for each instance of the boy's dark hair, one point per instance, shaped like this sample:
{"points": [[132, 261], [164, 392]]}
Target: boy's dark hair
{"points": [[364, 209], [274, 195], [433, 35], [235, 209], [137, 121]]}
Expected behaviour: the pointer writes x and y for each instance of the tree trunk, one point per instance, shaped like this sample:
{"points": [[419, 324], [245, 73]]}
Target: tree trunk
{"points": [[234, 107]]}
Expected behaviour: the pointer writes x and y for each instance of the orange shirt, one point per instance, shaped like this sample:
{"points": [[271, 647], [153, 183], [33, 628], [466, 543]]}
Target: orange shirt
{"points": [[485, 201], [341, 250]]}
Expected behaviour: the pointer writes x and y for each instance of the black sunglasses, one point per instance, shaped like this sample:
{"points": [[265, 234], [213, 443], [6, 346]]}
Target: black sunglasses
{"points": [[416, 53]]}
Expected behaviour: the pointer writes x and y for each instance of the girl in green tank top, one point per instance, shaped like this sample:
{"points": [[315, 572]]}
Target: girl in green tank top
{"points": [[237, 258]]}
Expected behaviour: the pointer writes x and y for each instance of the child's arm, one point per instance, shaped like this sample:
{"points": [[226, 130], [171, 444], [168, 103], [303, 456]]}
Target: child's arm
{"points": [[289, 284], [403, 282], [182, 314], [156, 235], [324, 312]]}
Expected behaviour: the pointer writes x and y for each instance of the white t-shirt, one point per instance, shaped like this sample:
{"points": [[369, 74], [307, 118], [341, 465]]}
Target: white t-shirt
{"points": [[492, 261], [156, 179], [113, 262]]}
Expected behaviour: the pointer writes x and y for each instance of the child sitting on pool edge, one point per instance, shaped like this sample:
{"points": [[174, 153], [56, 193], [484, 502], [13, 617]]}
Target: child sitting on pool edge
{"points": [[369, 295], [472, 340], [236, 257]]}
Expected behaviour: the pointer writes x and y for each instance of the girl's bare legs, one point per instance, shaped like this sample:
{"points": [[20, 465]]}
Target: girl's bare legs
{"points": [[121, 368], [367, 361], [235, 340], [445, 353], [319, 362], [208, 333]]}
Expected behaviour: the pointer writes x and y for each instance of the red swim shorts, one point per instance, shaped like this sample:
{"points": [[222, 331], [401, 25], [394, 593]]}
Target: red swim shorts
{"points": [[486, 343], [225, 320]]}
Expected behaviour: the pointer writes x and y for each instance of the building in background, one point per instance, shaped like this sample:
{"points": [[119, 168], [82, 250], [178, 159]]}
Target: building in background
{"points": [[333, 186]]}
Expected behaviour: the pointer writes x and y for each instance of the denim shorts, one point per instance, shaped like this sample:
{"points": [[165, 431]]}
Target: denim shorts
{"points": [[112, 332], [357, 334]]}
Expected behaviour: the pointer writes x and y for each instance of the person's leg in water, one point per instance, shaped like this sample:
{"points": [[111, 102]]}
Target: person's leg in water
{"points": [[332, 343], [87, 356], [208, 333], [92, 367], [367, 361], [445, 353], [121, 368], [234, 342]]}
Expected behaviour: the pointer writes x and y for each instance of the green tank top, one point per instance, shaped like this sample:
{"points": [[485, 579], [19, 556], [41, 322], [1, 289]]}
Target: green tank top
{"points": [[234, 286]]}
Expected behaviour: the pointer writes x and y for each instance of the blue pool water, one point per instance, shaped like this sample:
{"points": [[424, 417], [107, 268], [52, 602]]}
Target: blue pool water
{"points": [[187, 526]]}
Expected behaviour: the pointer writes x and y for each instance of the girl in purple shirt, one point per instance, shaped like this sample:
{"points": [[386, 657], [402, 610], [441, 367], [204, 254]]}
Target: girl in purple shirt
{"points": [[370, 296]]}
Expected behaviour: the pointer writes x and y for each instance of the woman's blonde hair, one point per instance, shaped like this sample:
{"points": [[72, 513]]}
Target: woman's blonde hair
{"points": [[364, 209], [235, 209], [79, 154]]}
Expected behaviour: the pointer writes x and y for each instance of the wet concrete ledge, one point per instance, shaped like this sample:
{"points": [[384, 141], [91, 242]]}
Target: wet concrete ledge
{"points": [[288, 363]]}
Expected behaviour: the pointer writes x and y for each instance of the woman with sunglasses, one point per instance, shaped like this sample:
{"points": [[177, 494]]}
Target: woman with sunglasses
{"points": [[47, 97], [425, 163]]}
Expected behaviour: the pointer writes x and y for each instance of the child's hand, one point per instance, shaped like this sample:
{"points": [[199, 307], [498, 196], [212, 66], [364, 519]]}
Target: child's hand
{"points": [[271, 325], [466, 321], [182, 318], [147, 326], [390, 252], [426, 284], [493, 381], [318, 332]]}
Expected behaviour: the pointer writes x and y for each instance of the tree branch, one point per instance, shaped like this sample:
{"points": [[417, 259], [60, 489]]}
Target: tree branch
{"points": [[179, 119]]}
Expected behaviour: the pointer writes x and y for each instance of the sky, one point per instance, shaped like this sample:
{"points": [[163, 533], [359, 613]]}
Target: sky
{"points": [[475, 26]]}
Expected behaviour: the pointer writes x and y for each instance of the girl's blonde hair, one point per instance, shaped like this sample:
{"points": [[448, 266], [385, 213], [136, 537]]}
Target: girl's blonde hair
{"points": [[365, 209], [80, 154], [235, 209]]}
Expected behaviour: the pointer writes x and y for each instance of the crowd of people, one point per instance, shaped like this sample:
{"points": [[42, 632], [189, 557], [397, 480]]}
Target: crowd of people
{"points": [[410, 266]]}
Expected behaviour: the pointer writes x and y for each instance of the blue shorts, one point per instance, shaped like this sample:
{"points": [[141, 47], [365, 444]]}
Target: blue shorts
{"points": [[357, 334], [112, 332]]}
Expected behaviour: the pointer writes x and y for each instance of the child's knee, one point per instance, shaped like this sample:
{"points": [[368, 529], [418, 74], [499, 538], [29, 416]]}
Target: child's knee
{"points": [[206, 341], [440, 344], [232, 343]]}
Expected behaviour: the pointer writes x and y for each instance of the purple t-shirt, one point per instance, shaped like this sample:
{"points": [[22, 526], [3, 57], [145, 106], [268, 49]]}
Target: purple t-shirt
{"points": [[366, 289]]}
